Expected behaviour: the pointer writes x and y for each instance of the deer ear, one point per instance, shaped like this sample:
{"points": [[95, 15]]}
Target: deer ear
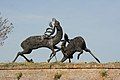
{"points": [[66, 37]]}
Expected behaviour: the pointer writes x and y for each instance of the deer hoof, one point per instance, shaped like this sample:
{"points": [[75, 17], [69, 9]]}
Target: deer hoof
{"points": [[31, 61], [48, 60]]}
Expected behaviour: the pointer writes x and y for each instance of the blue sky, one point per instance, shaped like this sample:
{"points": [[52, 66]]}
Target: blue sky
{"points": [[98, 22]]}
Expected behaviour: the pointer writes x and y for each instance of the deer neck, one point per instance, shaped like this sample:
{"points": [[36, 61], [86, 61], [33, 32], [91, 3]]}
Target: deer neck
{"points": [[57, 38]]}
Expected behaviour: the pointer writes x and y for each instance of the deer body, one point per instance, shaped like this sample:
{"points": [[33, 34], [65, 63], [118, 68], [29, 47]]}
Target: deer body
{"points": [[35, 42], [76, 44]]}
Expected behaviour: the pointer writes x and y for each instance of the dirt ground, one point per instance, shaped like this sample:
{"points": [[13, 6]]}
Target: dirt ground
{"points": [[60, 71]]}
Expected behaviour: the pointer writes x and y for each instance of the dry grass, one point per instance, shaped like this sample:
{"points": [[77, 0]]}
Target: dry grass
{"points": [[58, 65]]}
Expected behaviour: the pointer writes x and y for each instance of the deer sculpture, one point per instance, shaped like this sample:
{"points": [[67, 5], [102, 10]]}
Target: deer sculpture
{"points": [[76, 44], [49, 31], [35, 42]]}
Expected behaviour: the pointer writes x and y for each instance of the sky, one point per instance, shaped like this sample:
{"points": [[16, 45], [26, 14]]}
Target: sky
{"points": [[97, 21]]}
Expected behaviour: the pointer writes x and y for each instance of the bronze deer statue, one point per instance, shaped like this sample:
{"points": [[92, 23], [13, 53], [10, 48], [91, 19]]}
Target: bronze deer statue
{"points": [[76, 44], [35, 42]]}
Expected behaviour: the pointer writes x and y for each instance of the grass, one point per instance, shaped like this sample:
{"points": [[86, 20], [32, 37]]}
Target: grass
{"points": [[59, 65]]}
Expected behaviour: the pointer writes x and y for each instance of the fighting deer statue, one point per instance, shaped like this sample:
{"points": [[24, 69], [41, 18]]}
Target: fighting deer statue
{"points": [[35, 42], [76, 44]]}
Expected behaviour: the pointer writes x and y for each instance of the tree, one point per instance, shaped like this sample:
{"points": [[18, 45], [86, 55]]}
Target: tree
{"points": [[5, 28]]}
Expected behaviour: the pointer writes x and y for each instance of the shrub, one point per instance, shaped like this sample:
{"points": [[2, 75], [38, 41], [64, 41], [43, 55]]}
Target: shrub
{"points": [[104, 73], [57, 76], [19, 75]]}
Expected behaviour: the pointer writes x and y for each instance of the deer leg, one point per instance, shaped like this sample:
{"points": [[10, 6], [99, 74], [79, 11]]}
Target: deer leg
{"points": [[58, 48], [87, 50], [79, 54], [69, 60], [27, 58], [52, 55], [21, 54], [16, 56], [63, 59], [27, 52]]}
